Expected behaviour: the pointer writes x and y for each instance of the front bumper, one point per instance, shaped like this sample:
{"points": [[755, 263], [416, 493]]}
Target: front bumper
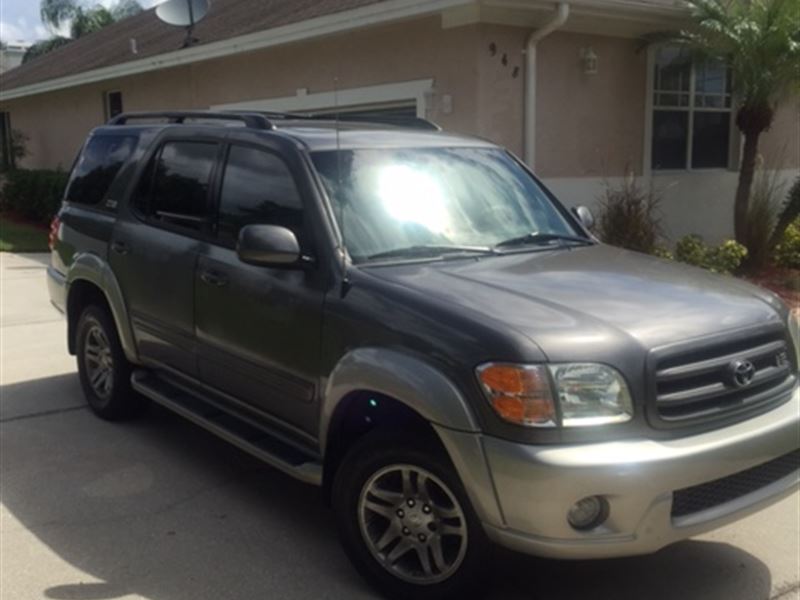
{"points": [[536, 485]]}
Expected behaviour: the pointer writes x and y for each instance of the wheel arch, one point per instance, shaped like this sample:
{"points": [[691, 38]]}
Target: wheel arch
{"points": [[374, 387], [90, 279]]}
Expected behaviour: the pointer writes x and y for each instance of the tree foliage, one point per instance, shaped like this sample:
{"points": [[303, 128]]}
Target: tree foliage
{"points": [[81, 19]]}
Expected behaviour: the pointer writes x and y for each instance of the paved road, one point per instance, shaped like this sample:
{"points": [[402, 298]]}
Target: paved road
{"points": [[161, 510]]}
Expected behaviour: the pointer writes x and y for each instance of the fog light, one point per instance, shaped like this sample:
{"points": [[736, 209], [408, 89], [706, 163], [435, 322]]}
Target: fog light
{"points": [[588, 513]]}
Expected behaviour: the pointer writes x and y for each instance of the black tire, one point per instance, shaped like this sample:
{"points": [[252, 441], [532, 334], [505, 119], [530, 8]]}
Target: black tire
{"points": [[116, 401], [381, 452]]}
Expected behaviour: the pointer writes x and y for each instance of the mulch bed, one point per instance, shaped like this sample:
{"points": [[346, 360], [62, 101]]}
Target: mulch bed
{"points": [[784, 282]]}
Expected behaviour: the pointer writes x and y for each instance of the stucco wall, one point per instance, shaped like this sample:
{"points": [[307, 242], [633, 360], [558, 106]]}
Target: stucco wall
{"points": [[589, 125]]}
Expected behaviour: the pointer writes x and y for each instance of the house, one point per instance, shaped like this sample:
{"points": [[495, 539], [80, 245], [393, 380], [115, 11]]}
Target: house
{"points": [[569, 86]]}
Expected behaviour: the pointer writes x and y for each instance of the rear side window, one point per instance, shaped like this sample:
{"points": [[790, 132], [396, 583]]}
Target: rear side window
{"points": [[179, 181], [98, 165], [257, 187]]}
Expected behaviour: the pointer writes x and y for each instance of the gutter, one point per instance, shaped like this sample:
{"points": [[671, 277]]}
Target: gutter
{"points": [[557, 21]]}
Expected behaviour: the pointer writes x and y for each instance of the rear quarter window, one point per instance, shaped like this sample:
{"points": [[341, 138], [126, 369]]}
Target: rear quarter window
{"points": [[97, 167]]}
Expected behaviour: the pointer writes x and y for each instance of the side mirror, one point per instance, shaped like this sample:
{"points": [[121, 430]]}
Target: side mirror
{"points": [[268, 246], [585, 216]]}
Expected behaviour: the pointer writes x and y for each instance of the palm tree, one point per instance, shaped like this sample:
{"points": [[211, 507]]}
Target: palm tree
{"points": [[760, 40]]}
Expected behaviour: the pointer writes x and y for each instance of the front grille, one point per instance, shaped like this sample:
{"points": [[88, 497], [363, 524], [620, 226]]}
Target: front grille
{"points": [[708, 495], [699, 384]]}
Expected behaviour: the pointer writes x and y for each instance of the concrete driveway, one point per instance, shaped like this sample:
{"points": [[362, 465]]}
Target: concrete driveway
{"points": [[159, 509]]}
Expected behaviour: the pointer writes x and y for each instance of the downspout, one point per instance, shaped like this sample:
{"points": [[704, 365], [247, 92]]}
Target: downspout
{"points": [[560, 17]]}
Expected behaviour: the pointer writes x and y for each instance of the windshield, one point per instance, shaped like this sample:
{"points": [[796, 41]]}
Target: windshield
{"points": [[391, 199]]}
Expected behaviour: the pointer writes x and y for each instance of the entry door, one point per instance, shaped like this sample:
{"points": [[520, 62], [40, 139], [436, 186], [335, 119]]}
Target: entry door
{"points": [[258, 328], [154, 251]]}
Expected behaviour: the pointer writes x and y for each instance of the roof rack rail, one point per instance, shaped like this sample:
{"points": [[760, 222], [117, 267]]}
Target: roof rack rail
{"points": [[252, 120], [397, 121]]}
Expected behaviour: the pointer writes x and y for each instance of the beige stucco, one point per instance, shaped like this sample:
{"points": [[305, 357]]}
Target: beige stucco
{"points": [[590, 125]]}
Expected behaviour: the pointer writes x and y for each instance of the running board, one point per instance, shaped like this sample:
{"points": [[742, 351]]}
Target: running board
{"points": [[246, 436]]}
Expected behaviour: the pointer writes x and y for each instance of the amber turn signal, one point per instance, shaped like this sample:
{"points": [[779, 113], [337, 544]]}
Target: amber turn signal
{"points": [[519, 394]]}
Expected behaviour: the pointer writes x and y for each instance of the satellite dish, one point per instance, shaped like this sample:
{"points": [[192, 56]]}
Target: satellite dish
{"points": [[183, 13]]}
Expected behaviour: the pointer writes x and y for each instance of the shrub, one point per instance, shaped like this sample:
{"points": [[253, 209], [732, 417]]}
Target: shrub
{"points": [[789, 212], [787, 252], [34, 194], [725, 258], [762, 216], [629, 217]]}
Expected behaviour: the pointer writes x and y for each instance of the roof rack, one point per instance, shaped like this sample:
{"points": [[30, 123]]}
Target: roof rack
{"points": [[253, 120], [264, 119], [397, 121]]}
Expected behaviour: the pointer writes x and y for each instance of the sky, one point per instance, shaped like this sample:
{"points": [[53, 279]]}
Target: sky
{"points": [[19, 19]]}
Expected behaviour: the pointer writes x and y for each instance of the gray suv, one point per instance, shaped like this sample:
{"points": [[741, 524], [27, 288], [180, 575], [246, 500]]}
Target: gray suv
{"points": [[411, 321]]}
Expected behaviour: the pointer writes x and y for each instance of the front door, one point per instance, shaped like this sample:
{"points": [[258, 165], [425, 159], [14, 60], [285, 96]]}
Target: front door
{"points": [[258, 328]]}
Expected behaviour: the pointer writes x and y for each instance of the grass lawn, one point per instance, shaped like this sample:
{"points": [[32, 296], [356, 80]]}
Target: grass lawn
{"points": [[20, 237]]}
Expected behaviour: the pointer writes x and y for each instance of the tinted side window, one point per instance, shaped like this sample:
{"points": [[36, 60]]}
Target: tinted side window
{"points": [[98, 165], [257, 188], [179, 193]]}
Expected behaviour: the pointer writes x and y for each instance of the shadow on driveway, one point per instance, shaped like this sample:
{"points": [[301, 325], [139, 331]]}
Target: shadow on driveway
{"points": [[161, 509]]}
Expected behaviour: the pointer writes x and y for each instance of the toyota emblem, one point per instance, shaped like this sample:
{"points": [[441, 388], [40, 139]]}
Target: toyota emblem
{"points": [[742, 373]]}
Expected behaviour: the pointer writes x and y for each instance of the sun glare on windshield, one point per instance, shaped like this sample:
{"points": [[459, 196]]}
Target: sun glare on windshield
{"points": [[412, 196]]}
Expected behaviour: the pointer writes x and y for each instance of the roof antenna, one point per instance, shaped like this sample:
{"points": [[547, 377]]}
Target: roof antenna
{"points": [[340, 191]]}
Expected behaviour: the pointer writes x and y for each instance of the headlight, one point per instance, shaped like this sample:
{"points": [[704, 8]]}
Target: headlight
{"points": [[591, 394], [571, 395]]}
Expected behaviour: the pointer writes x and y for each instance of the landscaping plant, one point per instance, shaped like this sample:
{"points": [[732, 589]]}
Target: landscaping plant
{"points": [[34, 195], [629, 217], [725, 258], [787, 252]]}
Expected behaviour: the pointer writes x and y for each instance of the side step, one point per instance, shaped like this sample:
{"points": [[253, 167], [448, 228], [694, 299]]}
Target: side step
{"points": [[243, 434]]}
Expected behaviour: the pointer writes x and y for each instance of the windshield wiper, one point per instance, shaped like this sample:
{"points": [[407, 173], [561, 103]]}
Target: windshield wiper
{"points": [[429, 250], [542, 238]]}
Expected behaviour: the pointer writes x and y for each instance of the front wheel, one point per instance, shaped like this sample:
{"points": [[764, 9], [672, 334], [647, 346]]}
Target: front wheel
{"points": [[406, 522]]}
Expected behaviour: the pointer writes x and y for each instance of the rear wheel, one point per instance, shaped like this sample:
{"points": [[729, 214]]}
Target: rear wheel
{"points": [[406, 523], [104, 371]]}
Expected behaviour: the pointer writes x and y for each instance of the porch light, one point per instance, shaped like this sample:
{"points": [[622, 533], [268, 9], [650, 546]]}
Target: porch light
{"points": [[589, 61]]}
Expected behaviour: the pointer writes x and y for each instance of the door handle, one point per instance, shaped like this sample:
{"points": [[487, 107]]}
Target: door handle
{"points": [[120, 247], [213, 278]]}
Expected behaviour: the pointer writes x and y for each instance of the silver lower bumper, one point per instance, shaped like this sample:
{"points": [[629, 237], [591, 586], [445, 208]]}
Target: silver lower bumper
{"points": [[536, 485]]}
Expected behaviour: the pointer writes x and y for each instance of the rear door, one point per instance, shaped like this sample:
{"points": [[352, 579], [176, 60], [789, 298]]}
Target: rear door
{"points": [[155, 248], [258, 328]]}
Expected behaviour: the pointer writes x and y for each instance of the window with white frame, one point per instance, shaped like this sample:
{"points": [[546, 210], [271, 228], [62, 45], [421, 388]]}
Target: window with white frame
{"points": [[692, 111]]}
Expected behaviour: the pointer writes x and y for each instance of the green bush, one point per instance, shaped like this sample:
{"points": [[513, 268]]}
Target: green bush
{"points": [[787, 252], [34, 194], [725, 258], [629, 217]]}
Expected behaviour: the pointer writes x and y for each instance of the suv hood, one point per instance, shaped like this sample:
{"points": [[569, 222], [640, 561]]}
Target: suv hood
{"points": [[576, 302]]}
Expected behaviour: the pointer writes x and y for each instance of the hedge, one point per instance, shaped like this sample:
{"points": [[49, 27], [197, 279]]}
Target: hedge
{"points": [[33, 194]]}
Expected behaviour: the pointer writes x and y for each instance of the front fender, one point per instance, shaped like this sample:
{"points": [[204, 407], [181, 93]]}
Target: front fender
{"points": [[93, 269], [431, 395], [405, 378]]}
